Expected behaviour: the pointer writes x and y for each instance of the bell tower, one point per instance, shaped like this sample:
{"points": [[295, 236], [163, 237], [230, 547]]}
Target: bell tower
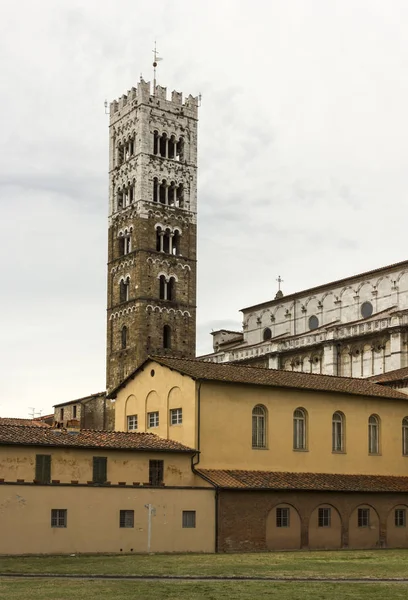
{"points": [[151, 306]]}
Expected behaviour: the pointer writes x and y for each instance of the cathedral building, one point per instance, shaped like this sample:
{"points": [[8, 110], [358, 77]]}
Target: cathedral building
{"points": [[354, 327], [151, 304]]}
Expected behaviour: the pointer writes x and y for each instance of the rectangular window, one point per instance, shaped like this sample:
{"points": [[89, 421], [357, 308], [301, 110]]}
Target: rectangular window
{"points": [[74, 412], [282, 517], [99, 469], [58, 517], [363, 517], [153, 419], [400, 517], [43, 468], [189, 519], [127, 518], [156, 472], [176, 416], [61, 414], [324, 519], [132, 423]]}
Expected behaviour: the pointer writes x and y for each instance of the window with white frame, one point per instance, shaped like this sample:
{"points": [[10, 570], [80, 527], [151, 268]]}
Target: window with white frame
{"points": [[282, 517], [400, 517], [58, 517], [153, 419], [338, 432], [299, 429], [363, 517], [324, 517], [176, 416], [405, 436], [373, 435], [132, 423], [259, 427]]}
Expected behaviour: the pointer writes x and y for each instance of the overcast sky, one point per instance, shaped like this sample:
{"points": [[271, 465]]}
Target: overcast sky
{"points": [[303, 145]]}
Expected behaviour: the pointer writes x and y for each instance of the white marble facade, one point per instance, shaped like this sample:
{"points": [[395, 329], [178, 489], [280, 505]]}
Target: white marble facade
{"points": [[355, 327]]}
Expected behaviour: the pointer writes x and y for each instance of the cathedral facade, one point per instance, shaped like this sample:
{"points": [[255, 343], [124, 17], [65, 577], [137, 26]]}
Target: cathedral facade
{"points": [[151, 304], [354, 327]]}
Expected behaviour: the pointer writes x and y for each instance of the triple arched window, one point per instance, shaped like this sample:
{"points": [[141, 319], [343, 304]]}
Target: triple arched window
{"points": [[259, 427]]}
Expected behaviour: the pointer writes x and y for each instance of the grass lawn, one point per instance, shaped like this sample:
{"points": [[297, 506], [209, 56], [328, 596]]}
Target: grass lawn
{"points": [[343, 564], [124, 590]]}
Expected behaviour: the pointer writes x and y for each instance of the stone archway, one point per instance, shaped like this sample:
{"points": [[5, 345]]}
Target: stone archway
{"points": [[283, 528], [325, 528]]}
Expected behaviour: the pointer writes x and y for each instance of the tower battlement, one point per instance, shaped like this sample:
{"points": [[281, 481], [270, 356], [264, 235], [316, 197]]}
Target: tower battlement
{"points": [[142, 95]]}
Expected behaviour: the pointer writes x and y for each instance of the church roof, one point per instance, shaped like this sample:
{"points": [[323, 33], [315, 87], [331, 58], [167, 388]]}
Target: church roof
{"points": [[391, 376], [330, 482], [235, 373], [325, 286], [18, 435]]}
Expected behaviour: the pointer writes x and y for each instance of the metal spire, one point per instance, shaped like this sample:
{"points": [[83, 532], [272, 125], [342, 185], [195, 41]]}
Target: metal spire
{"points": [[156, 59]]}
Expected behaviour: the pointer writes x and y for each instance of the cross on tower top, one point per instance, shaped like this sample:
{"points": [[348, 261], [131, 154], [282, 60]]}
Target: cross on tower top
{"points": [[279, 280]]}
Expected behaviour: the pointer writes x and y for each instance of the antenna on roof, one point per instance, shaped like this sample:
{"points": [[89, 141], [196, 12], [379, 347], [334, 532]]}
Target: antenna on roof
{"points": [[156, 59]]}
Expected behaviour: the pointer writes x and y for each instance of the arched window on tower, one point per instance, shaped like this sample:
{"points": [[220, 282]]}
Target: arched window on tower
{"points": [[155, 142], [163, 145], [180, 196], [180, 149], [162, 288], [163, 192], [171, 194], [124, 289], [124, 337], [167, 337], [176, 243], [259, 427], [171, 289], [172, 147], [125, 243], [155, 189]]}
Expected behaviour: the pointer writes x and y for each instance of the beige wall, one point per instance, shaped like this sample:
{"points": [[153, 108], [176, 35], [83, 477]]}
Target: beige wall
{"points": [[77, 464], [226, 428], [93, 520], [161, 392], [283, 537]]}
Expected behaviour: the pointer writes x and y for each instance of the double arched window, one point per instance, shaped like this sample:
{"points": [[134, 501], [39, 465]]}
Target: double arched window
{"points": [[299, 429], [167, 288], [124, 289], [259, 427], [405, 436], [374, 435], [338, 432]]}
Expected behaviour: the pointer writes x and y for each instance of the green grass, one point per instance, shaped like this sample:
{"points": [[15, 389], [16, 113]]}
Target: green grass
{"points": [[341, 564], [125, 590]]}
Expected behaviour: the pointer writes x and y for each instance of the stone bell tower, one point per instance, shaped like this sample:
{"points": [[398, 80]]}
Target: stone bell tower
{"points": [[151, 305]]}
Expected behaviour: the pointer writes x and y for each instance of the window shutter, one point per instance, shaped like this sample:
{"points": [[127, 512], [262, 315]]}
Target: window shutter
{"points": [[99, 469], [43, 468]]}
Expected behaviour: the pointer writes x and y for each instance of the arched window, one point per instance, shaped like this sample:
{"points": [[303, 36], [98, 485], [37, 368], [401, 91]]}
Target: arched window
{"points": [[373, 435], [155, 142], [175, 248], [167, 336], [267, 334], [405, 436], [155, 189], [171, 289], [124, 335], [162, 288], [338, 432], [124, 289], [299, 429], [259, 427]]}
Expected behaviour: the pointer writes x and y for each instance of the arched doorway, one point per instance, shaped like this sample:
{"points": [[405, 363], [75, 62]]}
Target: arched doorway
{"points": [[325, 527], [283, 528]]}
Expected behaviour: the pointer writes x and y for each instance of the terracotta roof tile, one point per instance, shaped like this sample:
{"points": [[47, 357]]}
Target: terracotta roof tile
{"points": [[396, 375], [86, 438], [26, 422], [272, 480], [233, 373]]}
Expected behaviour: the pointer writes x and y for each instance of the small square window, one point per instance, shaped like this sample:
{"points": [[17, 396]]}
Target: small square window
{"points": [[324, 519], [189, 519], [58, 517], [153, 419], [127, 518], [132, 423], [176, 416], [400, 517], [282, 517], [363, 517]]}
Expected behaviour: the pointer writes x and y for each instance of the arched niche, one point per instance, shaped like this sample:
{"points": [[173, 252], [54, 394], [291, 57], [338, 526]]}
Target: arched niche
{"points": [[363, 533], [325, 528], [397, 527], [282, 534]]}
